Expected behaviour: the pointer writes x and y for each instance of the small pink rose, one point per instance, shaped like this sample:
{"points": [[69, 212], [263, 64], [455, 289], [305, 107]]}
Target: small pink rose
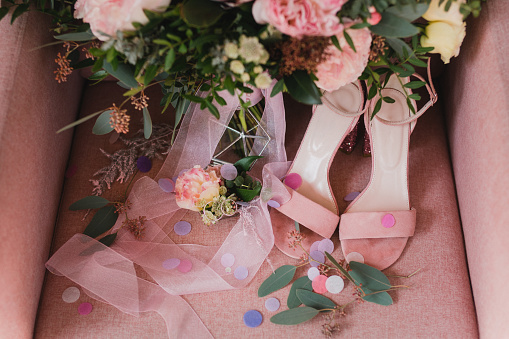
{"points": [[197, 184]]}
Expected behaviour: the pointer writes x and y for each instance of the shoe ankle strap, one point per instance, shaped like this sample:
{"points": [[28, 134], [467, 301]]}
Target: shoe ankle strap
{"points": [[433, 99], [329, 104]]}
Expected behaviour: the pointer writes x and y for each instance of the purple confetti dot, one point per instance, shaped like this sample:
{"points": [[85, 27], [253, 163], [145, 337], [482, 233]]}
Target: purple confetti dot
{"points": [[182, 228], [185, 266], [351, 196], [229, 172], [144, 164], [170, 264], [71, 171], [293, 180], [167, 185], [241, 273], [227, 260], [272, 304], [85, 308], [273, 203], [326, 245], [252, 318], [314, 246], [317, 256], [182, 172]]}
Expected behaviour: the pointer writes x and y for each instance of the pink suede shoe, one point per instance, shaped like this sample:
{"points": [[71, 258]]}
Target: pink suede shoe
{"points": [[312, 203], [375, 227]]}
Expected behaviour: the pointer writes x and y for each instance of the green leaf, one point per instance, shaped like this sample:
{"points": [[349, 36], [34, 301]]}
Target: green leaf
{"points": [[89, 202], [314, 300], [3, 12], [377, 297], [339, 267], [378, 105], [303, 283], [360, 25], [399, 46], [79, 121], [349, 41], [150, 73], [409, 12], [410, 105], [294, 316], [369, 277], [169, 60], [392, 26], [417, 62], [414, 84], [77, 36], [335, 41], [277, 280], [123, 72], [229, 84], [102, 124], [212, 108], [201, 13], [415, 96], [389, 100], [373, 90], [247, 194], [147, 123], [109, 239], [278, 87], [18, 11], [102, 222], [244, 164], [239, 180], [302, 88]]}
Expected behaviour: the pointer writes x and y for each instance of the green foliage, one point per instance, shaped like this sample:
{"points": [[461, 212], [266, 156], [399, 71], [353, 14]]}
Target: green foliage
{"points": [[277, 280], [102, 221], [302, 88], [102, 124], [314, 300], [303, 283], [294, 316], [89, 202], [147, 123]]}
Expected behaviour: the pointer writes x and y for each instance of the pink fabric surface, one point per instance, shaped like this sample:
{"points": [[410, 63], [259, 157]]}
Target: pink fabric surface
{"points": [[436, 248], [478, 124], [32, 164], [369, 225]]}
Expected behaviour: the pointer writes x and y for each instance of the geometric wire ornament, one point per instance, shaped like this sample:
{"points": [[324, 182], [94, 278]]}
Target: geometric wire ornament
{"points": [[239, 138]]}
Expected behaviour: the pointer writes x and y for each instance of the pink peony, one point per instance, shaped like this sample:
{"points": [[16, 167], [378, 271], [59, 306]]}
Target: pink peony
{"points": [[300, 17], [343, 67], [197, 184], [106, 17]]}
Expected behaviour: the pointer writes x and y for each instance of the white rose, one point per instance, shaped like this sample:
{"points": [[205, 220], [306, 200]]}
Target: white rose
{"points": [[445, 38], [263, 80], [107, 17], [237, 67], [438, 13], [245, 77], [231, 50]]}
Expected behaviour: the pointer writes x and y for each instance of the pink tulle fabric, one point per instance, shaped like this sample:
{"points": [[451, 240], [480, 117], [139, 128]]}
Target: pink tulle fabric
{"points": [[107, 273]]}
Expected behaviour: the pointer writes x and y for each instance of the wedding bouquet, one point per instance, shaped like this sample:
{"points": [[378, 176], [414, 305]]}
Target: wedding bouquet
{"points": [[219, 46]]}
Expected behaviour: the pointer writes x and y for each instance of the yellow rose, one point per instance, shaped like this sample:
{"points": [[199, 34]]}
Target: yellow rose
{"points": [[438, 13], [445, 38]]}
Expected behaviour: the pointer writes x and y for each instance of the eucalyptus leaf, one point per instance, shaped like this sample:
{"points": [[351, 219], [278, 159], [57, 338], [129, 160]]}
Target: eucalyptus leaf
{"points": [[102, 124], [147, 123], [277, 280], [409, 12], [22, 8], [303, 283], [392, 26], [244, 164], [89, 202], [369, 277], [201, 13], [3, 12], [294, 316], [314, 300], [338, 266], [302, 88], [109, 239], [377, 297], [76, 36], [102, 222], [123, 72]]}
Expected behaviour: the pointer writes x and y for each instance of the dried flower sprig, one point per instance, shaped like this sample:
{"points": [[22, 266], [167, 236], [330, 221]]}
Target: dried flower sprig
{"points": [[64, 68], [119, 119]]}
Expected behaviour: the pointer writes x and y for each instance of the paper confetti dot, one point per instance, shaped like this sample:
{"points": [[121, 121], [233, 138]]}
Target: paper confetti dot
{"points": [[355, 256], [293, 180], [167, 185], [182, 227], [326, 245], [241, 273], [314, 246], [71, 171], [228, 269], [351, 196], [85, 308], [71, 294], [388, 220], [272, 304], [334, 284], [182, 172], [319, 284], [242, 203], [313, 272], [252, 318], [227, 260], [144, 164], [317, 256], [185, 266], [273, 203], [170, 264], [229, 172]]}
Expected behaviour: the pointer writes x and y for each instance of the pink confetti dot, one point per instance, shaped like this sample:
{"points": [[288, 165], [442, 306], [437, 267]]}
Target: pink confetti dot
{"points": [[170, 264], [229, 172], [388, 220], [293, 180], [319, 284], [185, 266], [85, 308], [227, 260]]}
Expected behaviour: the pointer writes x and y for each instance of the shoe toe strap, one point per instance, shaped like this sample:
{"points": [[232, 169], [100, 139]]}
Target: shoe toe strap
{"points": [[310, 214], [366, 225]]}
